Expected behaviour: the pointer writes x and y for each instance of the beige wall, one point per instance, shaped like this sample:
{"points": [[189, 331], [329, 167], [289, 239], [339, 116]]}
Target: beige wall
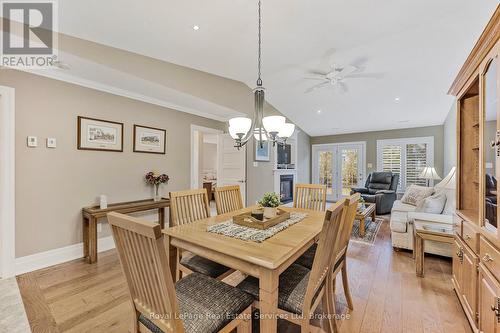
{"points": [[52, 185], [372, 137]]}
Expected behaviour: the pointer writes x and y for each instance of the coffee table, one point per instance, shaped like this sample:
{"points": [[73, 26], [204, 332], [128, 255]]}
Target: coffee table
{"points": [[422, 231], [362, 215]]}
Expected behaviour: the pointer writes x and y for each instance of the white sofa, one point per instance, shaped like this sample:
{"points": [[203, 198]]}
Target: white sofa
{"points": [[403, 215]]}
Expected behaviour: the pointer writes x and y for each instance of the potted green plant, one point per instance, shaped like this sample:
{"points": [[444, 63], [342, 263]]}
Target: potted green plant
{"points": [[270, 201]]}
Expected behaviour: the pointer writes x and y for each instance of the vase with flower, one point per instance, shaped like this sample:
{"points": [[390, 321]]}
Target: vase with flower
{"points": [[156, 179]]}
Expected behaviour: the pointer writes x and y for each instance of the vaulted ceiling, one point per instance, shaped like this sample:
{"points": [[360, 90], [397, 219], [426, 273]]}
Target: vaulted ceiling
{"points": [[415, 48]]}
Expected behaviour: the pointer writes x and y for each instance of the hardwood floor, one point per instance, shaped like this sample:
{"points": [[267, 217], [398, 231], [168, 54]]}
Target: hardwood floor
{"points": [[388, 297]]}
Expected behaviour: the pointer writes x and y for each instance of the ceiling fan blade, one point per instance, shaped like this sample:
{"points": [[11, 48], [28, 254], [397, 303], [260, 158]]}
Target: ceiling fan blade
{"points": [[315, 87], [365, 76], [315, 78], [347, 70]]}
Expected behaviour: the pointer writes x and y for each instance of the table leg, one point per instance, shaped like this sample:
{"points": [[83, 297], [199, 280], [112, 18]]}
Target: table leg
{"points": [[85, 226], [362, 227], [161, 217], [419, 255], [92, 245], [374, 215], [172, 256], [268, 300]]}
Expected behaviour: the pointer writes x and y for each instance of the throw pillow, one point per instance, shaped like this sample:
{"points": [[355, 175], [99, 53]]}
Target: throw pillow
{"points": [[415, 194], [433, 204]]}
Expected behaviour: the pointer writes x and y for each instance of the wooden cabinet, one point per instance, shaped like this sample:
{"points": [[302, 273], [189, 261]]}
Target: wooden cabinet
{"points": [[465, 277], [489, 302], [476, 263]]}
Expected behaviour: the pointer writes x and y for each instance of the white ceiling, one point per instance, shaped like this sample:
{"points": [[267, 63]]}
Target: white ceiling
{"points": [[416, 46]]}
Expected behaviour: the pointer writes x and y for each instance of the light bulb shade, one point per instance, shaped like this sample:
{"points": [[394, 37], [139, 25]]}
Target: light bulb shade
{"points": [[273, 124], [240, 125], [429, 173], [257, 136], [286, 131], [232, 133]]}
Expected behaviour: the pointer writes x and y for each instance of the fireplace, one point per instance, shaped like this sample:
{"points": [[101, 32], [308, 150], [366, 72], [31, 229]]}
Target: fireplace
{"points": [[286, 188]]}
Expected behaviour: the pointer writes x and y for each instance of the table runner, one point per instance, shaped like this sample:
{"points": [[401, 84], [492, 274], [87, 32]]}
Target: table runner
{"points": [[230, 229]]}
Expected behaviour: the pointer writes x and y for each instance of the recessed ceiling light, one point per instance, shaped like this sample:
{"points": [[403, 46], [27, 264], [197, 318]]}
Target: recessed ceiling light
{"points": [[397, 99], [196, 27], [319, 112]]}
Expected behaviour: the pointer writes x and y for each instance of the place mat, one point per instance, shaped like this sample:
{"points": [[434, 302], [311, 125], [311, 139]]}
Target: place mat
{"points": [[231, 229]]}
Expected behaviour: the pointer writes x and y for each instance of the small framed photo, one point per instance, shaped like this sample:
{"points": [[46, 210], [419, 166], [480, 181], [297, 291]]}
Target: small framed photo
{"points": [[150, 140], [98, 134], [262, 154]]}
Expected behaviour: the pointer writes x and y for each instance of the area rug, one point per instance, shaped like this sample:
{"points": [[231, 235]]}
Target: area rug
{"points": [[372, 228]]}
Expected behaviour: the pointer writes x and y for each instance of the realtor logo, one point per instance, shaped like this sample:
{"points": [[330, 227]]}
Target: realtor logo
{"points": [[28, 37]]}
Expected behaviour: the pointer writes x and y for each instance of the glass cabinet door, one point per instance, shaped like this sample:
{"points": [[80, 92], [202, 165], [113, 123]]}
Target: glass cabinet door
{"points": [[491, 143]]}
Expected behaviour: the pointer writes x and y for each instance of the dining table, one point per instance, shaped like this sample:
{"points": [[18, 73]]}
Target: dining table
{"points": [[265, 260]]}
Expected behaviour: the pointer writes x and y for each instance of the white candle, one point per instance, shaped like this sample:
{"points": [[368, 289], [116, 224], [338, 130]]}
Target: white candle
{"points": [[103, 201]]}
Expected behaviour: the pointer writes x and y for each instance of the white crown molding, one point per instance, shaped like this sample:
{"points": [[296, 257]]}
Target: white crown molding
{"points": [[121, 92], [57, 256]]}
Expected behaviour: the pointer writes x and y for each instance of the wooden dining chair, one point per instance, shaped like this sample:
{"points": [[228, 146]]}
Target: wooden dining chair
{"points": [[340, 264], [159, 305], [301, 290], [310, 196], [228, 199], [188, 207]]}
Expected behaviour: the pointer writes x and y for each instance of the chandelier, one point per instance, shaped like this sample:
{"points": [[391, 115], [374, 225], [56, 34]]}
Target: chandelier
{"points": [[274, 129]]}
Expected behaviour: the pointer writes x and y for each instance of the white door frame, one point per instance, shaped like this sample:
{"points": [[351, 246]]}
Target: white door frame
{"points": [[333, 147], [7, 182], [194, 182]]}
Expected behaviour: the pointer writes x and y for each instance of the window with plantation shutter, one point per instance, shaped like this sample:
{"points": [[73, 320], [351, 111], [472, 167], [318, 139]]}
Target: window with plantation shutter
{"points": [[406, 157]]}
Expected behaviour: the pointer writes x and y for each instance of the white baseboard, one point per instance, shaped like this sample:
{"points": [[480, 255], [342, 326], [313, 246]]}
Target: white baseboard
{"points": [[57, 256]]}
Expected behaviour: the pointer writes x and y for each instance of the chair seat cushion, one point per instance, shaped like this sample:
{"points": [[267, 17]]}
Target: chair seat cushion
{"points": [[206, 305], [307, 258], [203, 266], [291, 291]]}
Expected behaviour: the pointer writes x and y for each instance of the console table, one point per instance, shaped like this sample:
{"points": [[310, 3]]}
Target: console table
{"points": [[91, 216]]}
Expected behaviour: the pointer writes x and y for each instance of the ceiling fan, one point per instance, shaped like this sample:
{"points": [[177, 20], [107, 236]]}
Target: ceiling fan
{"points": [[337, 77]]}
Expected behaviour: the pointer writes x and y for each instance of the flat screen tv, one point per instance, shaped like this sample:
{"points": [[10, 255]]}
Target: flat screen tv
{"points": [[284, 154]]}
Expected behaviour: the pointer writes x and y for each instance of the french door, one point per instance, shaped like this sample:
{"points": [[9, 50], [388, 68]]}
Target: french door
{"points": [[340, 167]]}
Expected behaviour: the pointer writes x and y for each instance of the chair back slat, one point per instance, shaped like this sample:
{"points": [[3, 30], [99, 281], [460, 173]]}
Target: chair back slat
{"points": [[145, 266], [323, 259], [188, 206], [310, 196], [228, 199], [349, 214]]}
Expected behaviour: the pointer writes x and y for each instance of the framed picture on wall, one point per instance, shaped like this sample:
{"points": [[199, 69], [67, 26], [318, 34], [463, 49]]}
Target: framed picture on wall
{"points": [[150, 140], [98, 134], [262, 154]]}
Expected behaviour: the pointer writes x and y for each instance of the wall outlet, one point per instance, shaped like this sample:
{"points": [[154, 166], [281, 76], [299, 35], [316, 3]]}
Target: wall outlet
{"points": [[51, 143], [99, 228], [32, 141], [255, 164], [369, 165]]}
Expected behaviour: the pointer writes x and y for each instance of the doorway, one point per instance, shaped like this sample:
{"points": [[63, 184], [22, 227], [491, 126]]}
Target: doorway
{"points": [[204, 159], [339, 166]]}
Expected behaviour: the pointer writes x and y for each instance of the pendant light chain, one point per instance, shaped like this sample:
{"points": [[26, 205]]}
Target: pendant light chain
{"points": [[259, 80]]}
